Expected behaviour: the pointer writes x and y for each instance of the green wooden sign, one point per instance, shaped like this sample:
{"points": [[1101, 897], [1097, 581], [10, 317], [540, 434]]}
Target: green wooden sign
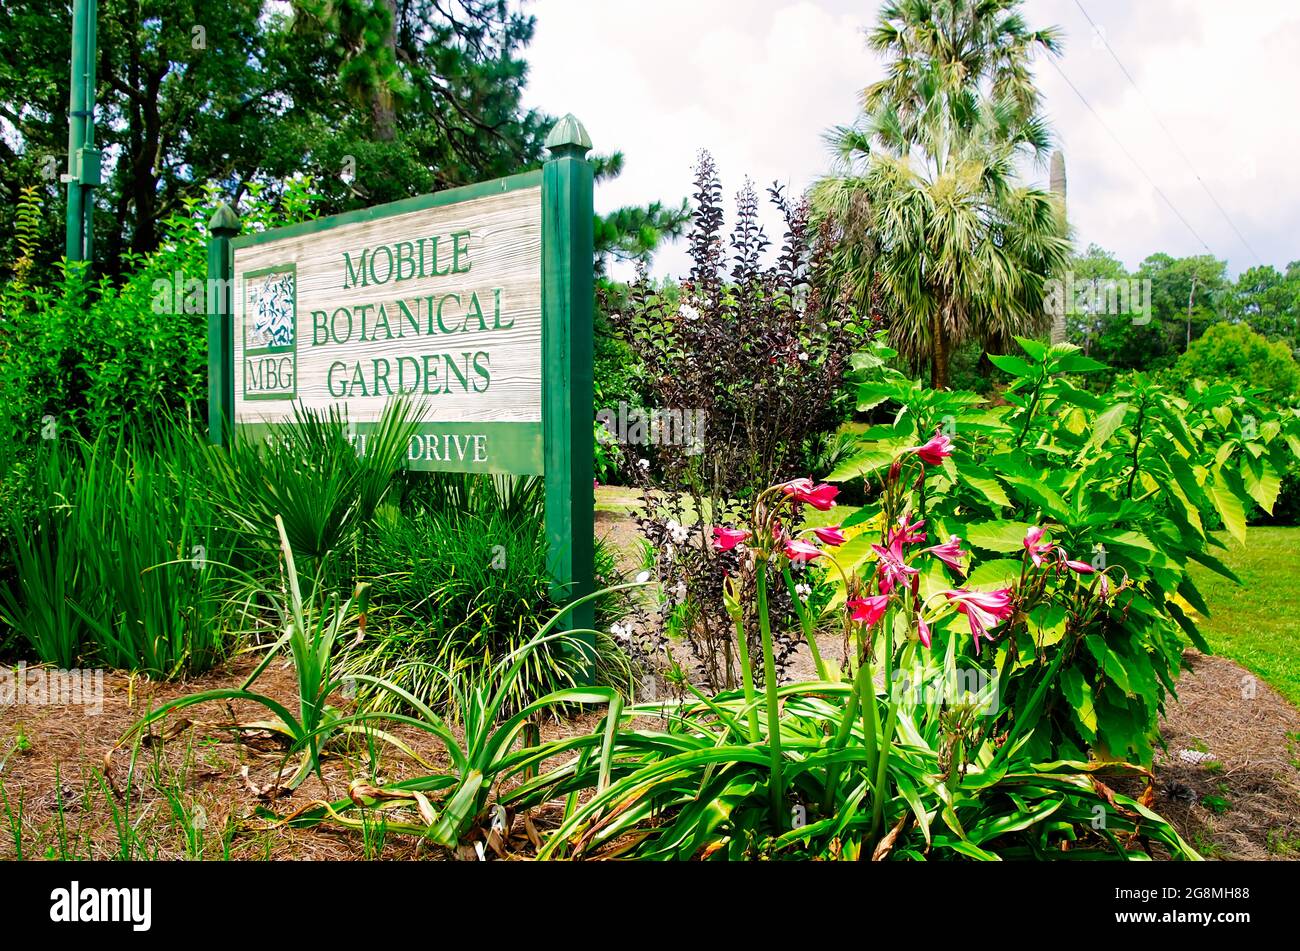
{"points": [[475, 302]]}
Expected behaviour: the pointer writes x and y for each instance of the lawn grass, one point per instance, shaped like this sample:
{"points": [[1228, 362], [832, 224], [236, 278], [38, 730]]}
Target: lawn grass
{"points": [[1256, 625]]}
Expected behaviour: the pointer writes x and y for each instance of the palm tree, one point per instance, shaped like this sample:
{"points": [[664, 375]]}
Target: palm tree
{"points": [[932, 220]]}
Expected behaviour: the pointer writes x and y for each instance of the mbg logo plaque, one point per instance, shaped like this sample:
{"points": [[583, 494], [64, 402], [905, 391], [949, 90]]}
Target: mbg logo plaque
{"points": [[270, 322]]}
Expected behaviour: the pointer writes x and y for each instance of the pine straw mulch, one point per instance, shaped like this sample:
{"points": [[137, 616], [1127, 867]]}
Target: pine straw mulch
{"points": [[1228, 777], [53, 760]]}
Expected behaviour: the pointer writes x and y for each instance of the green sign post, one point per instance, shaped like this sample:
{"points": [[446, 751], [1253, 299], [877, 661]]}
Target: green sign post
{"points": [[476, 301], [84, 159]]}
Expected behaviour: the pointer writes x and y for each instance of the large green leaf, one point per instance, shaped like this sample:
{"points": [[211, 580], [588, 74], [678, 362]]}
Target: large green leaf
{"points": [[1040, 496], [1107, 423], [1229, 505], [861, 464], [997, 573], [1076, 363], [985, 483], [1013, 365], [1079, 694], [997, 535], [1262, 482]]}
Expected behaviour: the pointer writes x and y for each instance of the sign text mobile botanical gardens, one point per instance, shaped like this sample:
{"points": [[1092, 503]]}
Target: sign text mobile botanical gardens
{"points": [[441, 303]]}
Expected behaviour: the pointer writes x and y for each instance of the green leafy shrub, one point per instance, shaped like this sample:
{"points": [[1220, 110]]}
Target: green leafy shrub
{"points": [[1234, 352], [92, 354], [1130, 485]]}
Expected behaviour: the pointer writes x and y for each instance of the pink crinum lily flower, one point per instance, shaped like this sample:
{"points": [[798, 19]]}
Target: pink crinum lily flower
{"points": [[797, 487], [820, 497], [1036, 544], [983, 609], [950, 553], [893, 568], [725, 539], [831, 535], [867, 610], [798, 550], [908, 533], [934, 452], [923, 630]]}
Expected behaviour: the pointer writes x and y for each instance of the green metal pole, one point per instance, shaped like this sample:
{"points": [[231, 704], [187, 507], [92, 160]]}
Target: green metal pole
{"points": [[88, 161], [567, 401], [74, 245], [223, 226]]}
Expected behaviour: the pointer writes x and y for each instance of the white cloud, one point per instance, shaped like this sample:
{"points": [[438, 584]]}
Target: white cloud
{"points": [[757, 82]]}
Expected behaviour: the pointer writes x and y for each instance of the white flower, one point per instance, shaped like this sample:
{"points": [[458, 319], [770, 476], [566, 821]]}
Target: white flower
{"points": [[643, 463], [621, 631], [803, 356], [803, 591], [689, 312], [678, 534]]}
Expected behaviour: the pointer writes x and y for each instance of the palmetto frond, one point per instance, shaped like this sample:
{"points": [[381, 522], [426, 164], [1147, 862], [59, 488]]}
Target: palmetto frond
{"points": [[958, 245]]}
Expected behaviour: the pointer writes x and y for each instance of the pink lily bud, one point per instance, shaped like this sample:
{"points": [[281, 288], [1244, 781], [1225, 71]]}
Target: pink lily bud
{"points": [[923, 630], [934, 452], [822, 497], [830, 536], [725, 539], [797, 487], [801, 551]]}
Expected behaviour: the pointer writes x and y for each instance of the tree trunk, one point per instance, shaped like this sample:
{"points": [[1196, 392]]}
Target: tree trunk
{"points": [[939, 370], [383, 115]]}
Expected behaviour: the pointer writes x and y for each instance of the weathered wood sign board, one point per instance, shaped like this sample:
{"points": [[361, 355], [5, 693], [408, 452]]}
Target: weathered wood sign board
{"points": [[475, 302], [439, 298]]}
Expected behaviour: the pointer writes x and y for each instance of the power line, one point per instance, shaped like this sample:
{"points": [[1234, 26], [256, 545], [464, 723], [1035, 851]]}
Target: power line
{"points": [[1133, 82], [1131, 158]]}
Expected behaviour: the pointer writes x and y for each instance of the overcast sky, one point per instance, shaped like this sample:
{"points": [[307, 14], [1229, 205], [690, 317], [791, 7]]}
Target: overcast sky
{"points": [[757, 82]]}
